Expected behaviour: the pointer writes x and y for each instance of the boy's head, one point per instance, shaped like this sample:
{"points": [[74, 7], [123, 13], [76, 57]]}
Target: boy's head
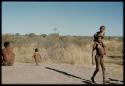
{"points": [[36, 50], [99, 38], [6, 44], [102, 28]]}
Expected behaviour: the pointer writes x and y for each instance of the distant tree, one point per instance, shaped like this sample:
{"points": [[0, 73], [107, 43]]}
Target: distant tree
{"points": [[43, 35], [32, 34], [26, 34], [17, 34]]}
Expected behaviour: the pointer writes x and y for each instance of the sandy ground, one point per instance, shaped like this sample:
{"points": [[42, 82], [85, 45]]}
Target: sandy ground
{"points": [[27, 73]]}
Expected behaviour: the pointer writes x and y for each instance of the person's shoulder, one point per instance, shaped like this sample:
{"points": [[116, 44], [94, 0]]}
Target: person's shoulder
{"points": [[98, 32]]}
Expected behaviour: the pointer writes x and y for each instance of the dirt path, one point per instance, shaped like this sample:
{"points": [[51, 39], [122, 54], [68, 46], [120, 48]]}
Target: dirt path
{"points": [[27, 73]]}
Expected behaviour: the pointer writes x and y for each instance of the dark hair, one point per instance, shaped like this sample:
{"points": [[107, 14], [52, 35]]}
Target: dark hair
{"points": [[36, 50], [6, 44], [99, 36], [102, 27]]}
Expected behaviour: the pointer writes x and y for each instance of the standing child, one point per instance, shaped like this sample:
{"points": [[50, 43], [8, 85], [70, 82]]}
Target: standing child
{"points": [[36, 56], [99, 57]]}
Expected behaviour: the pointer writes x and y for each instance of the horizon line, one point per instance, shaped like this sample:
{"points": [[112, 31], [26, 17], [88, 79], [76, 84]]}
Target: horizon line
{"points": [[56, 33]]}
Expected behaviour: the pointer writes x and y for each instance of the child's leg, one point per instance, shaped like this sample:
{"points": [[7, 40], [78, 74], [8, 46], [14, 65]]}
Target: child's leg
{"points": [[37, 62], [103, 69], [97, 61]]}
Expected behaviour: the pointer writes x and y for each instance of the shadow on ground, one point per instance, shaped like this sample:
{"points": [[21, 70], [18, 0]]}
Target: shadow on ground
{"points": [[109, 81], [114, 81], [70, 75]]}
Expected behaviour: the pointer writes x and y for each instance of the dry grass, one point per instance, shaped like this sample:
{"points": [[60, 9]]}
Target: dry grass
{"points": [[75, 50]]}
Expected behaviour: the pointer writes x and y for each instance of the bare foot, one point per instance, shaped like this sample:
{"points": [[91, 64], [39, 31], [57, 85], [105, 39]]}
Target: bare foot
{"points": [[93, 80], [103, 82]]}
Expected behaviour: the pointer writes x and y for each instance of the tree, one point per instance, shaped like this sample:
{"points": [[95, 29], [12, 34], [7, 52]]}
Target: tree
{"points": [[43, 35], [32, 34], [17, 34]]}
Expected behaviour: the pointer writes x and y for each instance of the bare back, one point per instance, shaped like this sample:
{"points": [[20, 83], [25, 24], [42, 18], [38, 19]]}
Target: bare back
{"points": [[8, 56], [37, 57]]}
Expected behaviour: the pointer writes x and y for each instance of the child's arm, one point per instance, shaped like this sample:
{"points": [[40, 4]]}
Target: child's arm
{"points": [[104, 49], [94, 45]]}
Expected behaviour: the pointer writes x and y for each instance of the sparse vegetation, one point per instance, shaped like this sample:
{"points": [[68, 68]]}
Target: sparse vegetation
{"points": [[75, 50]]}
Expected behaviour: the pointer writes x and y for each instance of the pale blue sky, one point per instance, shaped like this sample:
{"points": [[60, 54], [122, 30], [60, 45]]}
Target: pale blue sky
{"points": [[70, 18]]}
